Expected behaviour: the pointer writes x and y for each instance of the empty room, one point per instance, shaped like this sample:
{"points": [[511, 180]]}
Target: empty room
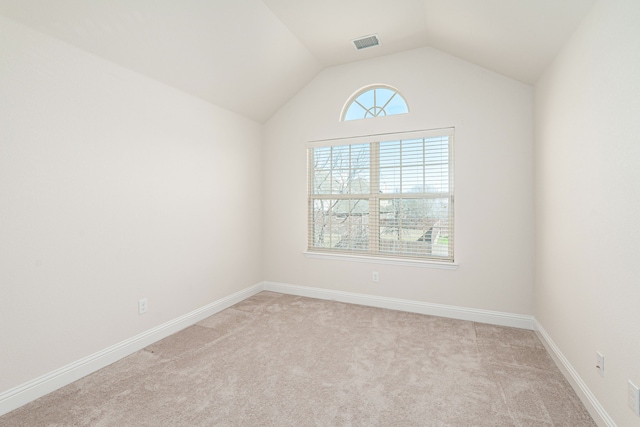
{"points": [[323, 213]]}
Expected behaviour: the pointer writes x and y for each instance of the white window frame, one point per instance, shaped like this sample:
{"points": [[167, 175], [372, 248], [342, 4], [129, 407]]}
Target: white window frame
{"points": [[373, 253]]}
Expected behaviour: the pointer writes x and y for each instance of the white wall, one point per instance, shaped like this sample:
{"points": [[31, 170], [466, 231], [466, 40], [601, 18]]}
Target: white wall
{"points": [[493, 178], [587, 163], [113, 187]]}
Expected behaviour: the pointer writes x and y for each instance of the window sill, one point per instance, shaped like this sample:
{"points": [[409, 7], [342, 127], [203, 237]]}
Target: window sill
{"points": [[382, 260]]}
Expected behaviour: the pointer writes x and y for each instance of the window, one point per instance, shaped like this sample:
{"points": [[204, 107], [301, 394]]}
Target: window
{"points": [[386, 195], [374, 101]]}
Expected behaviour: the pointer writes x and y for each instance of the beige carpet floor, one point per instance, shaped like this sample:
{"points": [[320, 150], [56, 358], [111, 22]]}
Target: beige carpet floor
{"points": [[281, 360]]}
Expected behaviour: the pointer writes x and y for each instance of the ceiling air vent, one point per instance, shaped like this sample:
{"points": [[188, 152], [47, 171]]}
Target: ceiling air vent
{"points": [[366, 41]]}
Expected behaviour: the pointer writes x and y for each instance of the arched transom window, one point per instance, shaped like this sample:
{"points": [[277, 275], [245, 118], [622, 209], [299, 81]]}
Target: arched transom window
{"points": [[374, 101]]}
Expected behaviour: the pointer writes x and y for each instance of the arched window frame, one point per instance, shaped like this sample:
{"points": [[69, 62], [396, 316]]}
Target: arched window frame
{"points": [[353, 99]]}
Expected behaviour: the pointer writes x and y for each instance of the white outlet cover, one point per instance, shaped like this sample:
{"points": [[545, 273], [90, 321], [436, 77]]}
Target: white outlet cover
{"points": [[142, 306]]}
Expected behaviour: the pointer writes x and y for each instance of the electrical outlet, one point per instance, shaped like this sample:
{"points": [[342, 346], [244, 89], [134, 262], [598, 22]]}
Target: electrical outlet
{"points": [[600, 364], [634, 398], [375, 277], [142, 306]]}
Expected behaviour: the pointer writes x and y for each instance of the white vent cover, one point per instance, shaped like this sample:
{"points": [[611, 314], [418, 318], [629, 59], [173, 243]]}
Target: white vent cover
{"points": [[366, 42]]}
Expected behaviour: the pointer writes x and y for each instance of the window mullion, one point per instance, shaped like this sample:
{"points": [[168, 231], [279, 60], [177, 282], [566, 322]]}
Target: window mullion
{"points": [[374, 198], [424, 166], [330, 209], [399, 212]]}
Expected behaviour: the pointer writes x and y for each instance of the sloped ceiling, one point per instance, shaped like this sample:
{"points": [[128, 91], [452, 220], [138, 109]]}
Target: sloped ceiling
{"points": [[251, 56]]}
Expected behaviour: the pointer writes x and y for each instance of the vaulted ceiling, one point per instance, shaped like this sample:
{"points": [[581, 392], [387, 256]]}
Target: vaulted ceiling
{"points": [[251, 56]]}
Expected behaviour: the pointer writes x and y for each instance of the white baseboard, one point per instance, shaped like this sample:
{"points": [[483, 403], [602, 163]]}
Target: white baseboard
{"points": [[598, 413], [462, 313], [31, 390]]}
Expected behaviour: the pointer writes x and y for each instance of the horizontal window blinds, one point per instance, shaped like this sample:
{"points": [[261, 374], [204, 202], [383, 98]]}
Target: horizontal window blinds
{"points": [[385, 195]]}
